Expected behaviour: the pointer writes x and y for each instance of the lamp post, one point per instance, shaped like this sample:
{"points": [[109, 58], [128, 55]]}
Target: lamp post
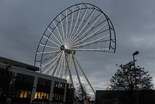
{"points": [[135, 53]]}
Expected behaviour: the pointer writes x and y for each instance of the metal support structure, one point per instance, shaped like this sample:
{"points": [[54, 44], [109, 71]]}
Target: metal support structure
{"points": [[80, 27], [84, 75], [70, 75], [78, 77]]}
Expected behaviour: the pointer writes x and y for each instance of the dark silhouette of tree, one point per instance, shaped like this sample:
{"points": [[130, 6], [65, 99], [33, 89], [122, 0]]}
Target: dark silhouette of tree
{"points": [[81, 92], [128, 77]]}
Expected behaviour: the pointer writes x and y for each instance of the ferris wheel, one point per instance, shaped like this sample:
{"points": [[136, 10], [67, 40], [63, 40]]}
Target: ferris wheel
{"points": [[79, 28]]}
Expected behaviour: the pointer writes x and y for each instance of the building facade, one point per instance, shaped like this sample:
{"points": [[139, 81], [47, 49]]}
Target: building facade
{"points": [[21, 84]]}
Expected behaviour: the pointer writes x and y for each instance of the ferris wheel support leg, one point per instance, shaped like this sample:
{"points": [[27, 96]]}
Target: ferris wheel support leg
{"points": [[78, 77], [70, 75], [85, 75]]}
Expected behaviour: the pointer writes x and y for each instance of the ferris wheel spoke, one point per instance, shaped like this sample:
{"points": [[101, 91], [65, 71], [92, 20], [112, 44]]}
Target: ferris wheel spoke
{"points": [[50, 52], [90, 28], [87, 21], [83, 18], [50, 71], [47, 57], [63, 33], [57, 63], [92, 42], [92, 34], [61, 38], [47, 46], [96, 17], [89, 34], [100, 50], [51, 41], [71, 23], [48, 68], [60, 42], [60, 65], [56, 74], [76, 21], [67, 24], [49, 62], [100, 24]]}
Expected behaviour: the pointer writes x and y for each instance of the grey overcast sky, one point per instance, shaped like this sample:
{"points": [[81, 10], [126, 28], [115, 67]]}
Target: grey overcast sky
{"points": [[22, 23]]}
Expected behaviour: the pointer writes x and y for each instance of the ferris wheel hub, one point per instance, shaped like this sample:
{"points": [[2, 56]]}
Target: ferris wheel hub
{"points": [[62, 48], [67, 49]]}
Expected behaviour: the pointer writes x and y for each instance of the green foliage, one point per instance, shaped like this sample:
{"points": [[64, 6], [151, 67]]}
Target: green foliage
{"points": [[128, 77]]}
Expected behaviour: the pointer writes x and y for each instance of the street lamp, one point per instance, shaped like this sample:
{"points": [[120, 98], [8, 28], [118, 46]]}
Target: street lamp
{"points": [[135, 53]]}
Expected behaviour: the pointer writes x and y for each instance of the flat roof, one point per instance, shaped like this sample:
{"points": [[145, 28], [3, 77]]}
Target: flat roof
{"points": [[18, 64]]}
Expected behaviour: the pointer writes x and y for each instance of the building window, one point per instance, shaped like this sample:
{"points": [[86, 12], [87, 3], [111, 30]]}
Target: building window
{"points": [[41, 95], [23, 94], [56, 84]]}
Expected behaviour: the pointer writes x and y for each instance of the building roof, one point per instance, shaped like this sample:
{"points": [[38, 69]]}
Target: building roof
{"points": [[18, 64]]}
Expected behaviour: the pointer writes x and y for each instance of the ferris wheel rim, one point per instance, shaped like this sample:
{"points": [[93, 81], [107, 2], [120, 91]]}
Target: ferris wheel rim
{"points": [[59, 41]]}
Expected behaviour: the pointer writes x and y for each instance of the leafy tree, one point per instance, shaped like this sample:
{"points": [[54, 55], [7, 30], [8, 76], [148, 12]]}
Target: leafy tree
{"points": [[128, 77]]}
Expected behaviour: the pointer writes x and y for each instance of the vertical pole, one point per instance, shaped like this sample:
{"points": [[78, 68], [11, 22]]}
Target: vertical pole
{"points": [[69, 71], [51, 89], [65, 92], [135, 85], [34, 88], [136, 95]]}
